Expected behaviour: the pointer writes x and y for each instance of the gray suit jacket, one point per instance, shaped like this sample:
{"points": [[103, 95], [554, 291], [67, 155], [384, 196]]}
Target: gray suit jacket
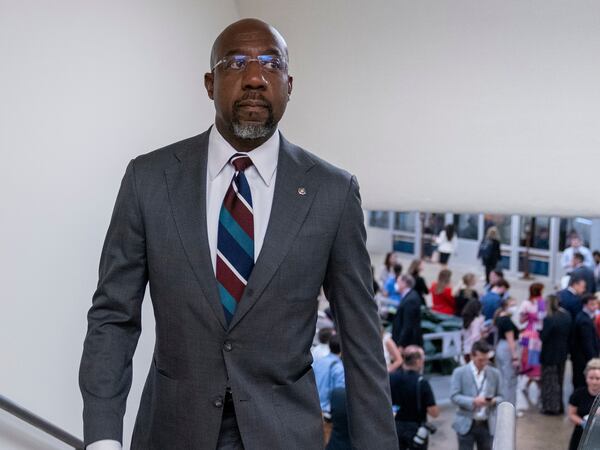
{"points": [[158, 235], [463, 390]]}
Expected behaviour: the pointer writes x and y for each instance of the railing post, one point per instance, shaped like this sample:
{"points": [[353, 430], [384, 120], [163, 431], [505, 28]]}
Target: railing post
{"points": [[505, 435]]}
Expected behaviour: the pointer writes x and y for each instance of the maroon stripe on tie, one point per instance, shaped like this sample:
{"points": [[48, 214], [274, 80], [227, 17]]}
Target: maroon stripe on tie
{"points": [[229, 280], [239, 212]]}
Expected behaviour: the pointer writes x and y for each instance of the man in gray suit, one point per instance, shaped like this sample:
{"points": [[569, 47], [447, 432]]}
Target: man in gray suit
{"points": [[235, 230], [475, 390]]}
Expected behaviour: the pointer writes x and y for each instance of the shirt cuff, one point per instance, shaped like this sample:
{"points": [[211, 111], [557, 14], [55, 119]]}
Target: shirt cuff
{"points": [[105, 444]]}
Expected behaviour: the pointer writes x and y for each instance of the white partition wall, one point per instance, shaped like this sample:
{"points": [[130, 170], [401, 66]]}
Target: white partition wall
{"points": [[449, 105], [84, 87]]}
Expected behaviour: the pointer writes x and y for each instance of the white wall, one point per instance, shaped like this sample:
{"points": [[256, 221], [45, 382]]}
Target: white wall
{"points": [[84, 87], [449, 105]]}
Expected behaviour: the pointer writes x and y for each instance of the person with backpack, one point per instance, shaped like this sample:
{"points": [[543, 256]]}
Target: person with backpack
{"points": [[489, 251]]}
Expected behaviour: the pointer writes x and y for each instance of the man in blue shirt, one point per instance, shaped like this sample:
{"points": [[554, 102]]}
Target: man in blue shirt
{"points": [[329, 374], [390, 285], [490, 302]]}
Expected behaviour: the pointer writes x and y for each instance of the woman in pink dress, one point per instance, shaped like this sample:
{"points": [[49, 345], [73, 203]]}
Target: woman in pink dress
{"points": [[533, 312]]}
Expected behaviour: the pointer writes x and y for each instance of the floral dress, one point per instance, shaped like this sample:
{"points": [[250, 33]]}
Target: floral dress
{"points": [[533, 311]]}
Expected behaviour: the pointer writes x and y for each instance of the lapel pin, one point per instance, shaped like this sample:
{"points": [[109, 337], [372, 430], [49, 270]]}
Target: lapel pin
{"points": [[301, 191]]}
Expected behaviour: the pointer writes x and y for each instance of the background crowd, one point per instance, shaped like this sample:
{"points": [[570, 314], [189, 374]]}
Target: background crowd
{"points": [[506, 343]]}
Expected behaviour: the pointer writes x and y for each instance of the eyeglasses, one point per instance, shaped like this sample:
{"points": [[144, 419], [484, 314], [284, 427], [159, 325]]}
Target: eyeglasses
{"points": [[238, 63]]}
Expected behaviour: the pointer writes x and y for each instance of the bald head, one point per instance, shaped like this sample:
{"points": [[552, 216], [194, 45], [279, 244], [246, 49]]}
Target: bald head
{"points": [[245, 30]]}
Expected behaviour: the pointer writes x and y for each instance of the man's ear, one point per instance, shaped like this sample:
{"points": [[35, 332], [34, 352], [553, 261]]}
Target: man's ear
{"points": [[290, 85], [209, 80]]}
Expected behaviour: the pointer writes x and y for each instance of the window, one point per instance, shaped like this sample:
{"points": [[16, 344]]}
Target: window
{"points": [[467, 226], [379, 219], [404, 221], [580, 226], [433, 223], [534, 232], [501, 222]]}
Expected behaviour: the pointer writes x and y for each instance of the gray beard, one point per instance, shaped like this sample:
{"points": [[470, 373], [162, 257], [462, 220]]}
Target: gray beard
{"points": [[251, 131]]}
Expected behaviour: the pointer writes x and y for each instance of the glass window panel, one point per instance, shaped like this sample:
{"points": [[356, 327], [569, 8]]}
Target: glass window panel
{"points": [[502, 222], [534, 232], [379, 219], [404, 221], [569, 226], [433, 223], [467, 226]]}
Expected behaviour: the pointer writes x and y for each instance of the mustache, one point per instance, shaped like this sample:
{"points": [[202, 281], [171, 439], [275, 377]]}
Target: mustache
{"points": [[252, 99]]}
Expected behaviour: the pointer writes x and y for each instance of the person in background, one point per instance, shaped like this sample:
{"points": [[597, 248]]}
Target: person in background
{"points": [[390, 288], [387, 269], [576, 246], [489, 251], [465, 293], [406, 328], [322, 348], [495, 276], [491, 301], [584, 339], [340, 434], [329, 375], [555, 335], [475, 389], [532, 313], [596, 256], [582, 271], [393, 357], [570, 298], [507, 349], [473, 326], [415, 269], [441, 293], [582, 399], [413, 395], [447, 243]]}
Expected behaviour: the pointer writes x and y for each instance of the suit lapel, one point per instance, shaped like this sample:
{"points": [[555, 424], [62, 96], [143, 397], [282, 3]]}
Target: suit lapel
{"points": [[187, 193], [295, 190]]}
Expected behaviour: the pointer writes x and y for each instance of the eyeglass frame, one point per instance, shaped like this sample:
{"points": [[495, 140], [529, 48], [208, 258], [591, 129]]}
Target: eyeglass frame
{"points": [[249, 60]]}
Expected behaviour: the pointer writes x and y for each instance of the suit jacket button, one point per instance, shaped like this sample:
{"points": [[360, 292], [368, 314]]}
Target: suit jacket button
{"points": [[227, 346], [218, 402]]}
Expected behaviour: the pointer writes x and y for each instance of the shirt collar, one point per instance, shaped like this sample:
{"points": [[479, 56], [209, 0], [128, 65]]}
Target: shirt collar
{"points": [[264, 157], [475, 370]]}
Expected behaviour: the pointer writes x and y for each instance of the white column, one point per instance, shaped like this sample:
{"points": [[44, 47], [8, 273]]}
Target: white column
{"points": [[554, 269], [514, 244]]}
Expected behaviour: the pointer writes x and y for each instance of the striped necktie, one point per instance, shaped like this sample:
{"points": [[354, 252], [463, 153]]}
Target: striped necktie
{"points": [[235, 244]]}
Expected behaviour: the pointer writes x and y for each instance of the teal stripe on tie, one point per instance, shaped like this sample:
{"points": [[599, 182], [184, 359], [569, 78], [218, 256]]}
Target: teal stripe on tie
{"points": [[228, 301], [237, 232]]}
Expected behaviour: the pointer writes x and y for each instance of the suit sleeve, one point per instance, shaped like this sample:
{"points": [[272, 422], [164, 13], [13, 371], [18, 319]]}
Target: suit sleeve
{"points": [[456, 395], [114, 320], [348, 286]]}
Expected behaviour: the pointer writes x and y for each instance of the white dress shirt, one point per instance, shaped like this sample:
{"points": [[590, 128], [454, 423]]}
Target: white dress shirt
{"points": [[479, 376], [261, 178]]}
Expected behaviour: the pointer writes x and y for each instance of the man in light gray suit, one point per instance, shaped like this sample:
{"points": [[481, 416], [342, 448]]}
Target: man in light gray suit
{"points": [[235, 230], [475, 390]]}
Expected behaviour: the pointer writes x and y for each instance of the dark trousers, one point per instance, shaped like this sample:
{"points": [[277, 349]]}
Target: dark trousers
{"points": [[229, 435], [478, 434]]}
